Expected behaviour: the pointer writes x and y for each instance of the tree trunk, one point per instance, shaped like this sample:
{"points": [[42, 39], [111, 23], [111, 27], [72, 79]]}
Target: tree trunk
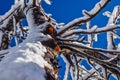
{"points": [[31, 60]]}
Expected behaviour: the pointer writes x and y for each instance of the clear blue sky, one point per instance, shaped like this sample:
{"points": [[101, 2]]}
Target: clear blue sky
{"points": [[67, 10]]}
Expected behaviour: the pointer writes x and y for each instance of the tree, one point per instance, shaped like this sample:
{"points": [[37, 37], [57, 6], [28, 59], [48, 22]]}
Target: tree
{"points": [[44, 40]]}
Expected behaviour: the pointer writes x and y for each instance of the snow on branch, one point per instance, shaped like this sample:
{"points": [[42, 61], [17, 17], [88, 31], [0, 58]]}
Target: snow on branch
{"points": [[96, 57], [93, 30], [98, 7], [67, 67], [10, 12], [112, 67], [81, 46], [112, 21], [73, 48]]}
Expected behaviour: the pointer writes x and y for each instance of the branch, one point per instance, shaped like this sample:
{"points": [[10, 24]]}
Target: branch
{"points": [[81, 40], [91, 31], [98, 7], [67, 67], [10, 12], [110, 66], [112, 21], [91, 72], [80, 46], [90, 36]]}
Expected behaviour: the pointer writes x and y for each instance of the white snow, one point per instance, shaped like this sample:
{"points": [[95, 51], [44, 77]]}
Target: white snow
{"points": [[107, 13], [30, 2], [39, 1], [48, 2], [21, 2], [8, 14], [26, 61], [87, 15], [96, 37], [98, 6], [92, 71], [112, 21], [92, 30], [1, 35], [118, 48], [66, 67]]}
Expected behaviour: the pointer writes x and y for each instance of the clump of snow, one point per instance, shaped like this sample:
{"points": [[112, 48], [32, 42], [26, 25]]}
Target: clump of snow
{"points": [[48, 2], [26, 62], [107, 13]]}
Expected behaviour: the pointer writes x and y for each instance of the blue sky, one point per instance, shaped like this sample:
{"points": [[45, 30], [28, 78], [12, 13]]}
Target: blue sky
{"points": [[67, 10]]}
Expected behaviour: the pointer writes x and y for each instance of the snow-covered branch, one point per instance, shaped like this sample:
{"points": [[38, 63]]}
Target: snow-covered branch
{"points": [[93, 30], [98, 7], [44, 40], [10, 12], [112, 21]]}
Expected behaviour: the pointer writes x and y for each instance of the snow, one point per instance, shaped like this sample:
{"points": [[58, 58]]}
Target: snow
{"points": [[26, 61], [16, 1], [96, 37], [87, 15], [112, 21], [76, 69], [39, 1], [9, 13], [14, 32], [93, 30], [98, 6], [67, 67], [107, 13], [114, 15], [118, 48], [48, 2], [30, 2], [1, 35], [36, 29], [92, 71], [21, 2]]}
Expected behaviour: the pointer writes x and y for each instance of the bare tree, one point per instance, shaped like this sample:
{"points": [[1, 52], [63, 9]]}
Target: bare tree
{"points": [[44, 40]]}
